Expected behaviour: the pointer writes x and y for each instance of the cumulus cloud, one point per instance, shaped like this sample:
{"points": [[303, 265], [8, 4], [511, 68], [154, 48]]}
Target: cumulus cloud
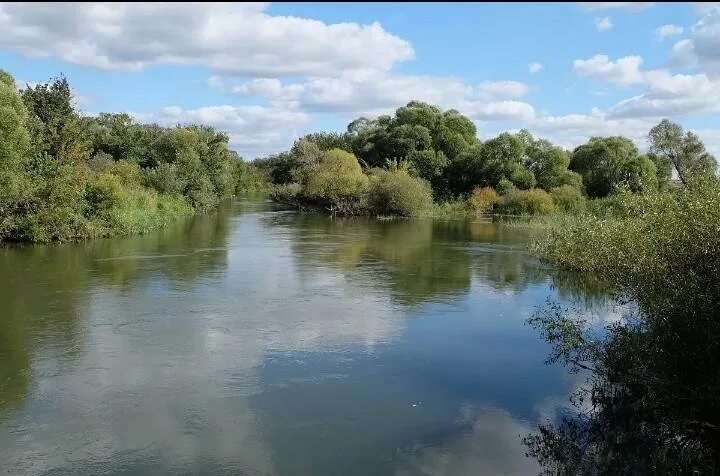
{"points": [[624, 71], [665, 95], [672, 95], [253, 130], [668, 30], [603, 24], [631, 6], [682, 54], [372, 92], [535, 67], [228, 38]]}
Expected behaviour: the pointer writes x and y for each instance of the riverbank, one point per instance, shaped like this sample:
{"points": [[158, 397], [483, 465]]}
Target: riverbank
{"points": [[68, 177]]}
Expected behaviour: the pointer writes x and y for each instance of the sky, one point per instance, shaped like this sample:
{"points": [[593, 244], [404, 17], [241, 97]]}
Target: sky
{"points": [[269, 73]]}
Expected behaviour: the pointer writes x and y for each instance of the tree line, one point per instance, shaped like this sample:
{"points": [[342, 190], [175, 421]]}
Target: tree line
{"points": [[64, 176], [439, 153]]}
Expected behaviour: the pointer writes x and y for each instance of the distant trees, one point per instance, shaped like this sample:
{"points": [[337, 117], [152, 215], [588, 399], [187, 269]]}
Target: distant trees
{"points": [[63, 176], [441, 148]]}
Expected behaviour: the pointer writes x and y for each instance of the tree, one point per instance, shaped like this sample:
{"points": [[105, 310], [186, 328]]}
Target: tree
{"points": [[685, 151], [609, 164], [549, 163], [53, 122], [14, 148]]}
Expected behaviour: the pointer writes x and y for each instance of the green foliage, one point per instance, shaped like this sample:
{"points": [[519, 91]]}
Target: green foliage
{"points": [[14, 149], [337, 176], [649, 405], [396, 192], [248, 177], [568, 198], [610, 164], [63, 177], [54, 123], [527, 202], [505, 186], [482, 200], [684, 151]]}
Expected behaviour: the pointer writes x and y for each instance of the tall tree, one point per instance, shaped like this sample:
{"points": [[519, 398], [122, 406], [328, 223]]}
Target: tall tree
{"points": [[684, 150]]}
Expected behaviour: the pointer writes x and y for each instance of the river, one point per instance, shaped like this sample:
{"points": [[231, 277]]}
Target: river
{"points": [[261, 341]]}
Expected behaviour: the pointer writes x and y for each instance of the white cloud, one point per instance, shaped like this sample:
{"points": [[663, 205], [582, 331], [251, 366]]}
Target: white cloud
{"points": [[498, 111], [371, 92], [672, 95], [631, 6], [668, 30], [603, 24], [228, 38], [704, 7], [625, 71], [665, 95], [706, 39], [253, 130], [682, 54], [535, 67]]}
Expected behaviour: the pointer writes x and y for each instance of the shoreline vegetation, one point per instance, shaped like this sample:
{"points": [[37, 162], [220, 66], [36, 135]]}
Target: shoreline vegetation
{"points": [[67, 177], [424, 161]]}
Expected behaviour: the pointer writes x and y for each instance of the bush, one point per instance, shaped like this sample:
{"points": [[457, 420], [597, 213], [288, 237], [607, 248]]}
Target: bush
{"points": [[395, 192], [482, 200], [527, 202], [505, 186], [288, 193], [103, 193], [336, 177], [165, 178], [567, 198]]}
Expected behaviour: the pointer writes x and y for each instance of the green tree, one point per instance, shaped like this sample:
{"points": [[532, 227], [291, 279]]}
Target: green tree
{"points": [[54, 122], [684, 150], [610, 164], [14, 150]]}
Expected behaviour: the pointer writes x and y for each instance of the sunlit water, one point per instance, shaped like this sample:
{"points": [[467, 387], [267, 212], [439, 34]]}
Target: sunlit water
{"points": [[260, 341]]}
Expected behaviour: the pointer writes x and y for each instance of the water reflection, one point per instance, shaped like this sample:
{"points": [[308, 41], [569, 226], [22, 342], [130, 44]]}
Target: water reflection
{"points": [[261, 341]]}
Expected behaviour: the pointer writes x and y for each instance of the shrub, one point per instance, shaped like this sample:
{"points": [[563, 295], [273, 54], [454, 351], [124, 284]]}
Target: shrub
{"points": [[288, 193], [336, 177], [127, 172], [165, 178], [482, 200], [567, 198], [103, 193], [396, 192], [505, 186], [527, 202]]}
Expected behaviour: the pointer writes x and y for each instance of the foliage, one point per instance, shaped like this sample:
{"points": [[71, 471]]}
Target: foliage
{"points": [[337, 176], [482, 200], [396, 192], [527, 202], [63, 177], [610, 164], [684, 151], [649, 405], [567, 198]]}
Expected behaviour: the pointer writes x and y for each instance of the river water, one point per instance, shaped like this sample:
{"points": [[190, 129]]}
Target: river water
{"points": [[260, 341]]}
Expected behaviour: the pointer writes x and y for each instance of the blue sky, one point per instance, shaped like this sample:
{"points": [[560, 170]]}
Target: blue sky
{"points": [[267, 73]]}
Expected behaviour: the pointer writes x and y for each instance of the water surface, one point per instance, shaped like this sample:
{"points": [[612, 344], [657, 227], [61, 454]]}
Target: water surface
{"points": [[258, 341]]}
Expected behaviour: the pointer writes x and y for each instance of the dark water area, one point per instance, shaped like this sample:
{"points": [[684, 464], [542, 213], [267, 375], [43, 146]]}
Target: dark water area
{"points": [[261, 341]]}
